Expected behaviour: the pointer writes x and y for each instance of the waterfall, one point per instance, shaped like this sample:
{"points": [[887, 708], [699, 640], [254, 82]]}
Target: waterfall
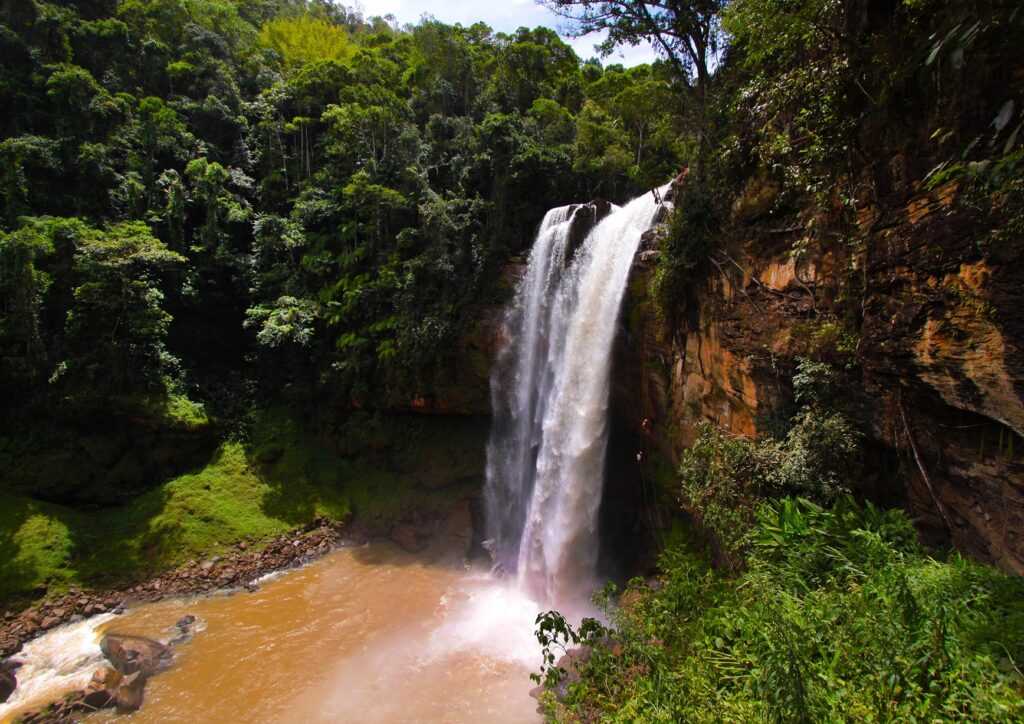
{"points": [[549, 388]]}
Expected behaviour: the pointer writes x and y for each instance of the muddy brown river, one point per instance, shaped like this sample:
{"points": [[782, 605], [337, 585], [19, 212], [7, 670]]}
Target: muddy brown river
{"points": [[367, 634]]}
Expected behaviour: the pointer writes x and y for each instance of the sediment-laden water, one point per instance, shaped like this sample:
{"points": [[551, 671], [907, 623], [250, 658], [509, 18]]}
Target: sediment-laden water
{"points": [[369, 634]]}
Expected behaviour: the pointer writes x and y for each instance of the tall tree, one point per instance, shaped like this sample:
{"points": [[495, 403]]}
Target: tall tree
{"points": [[686, 34]]}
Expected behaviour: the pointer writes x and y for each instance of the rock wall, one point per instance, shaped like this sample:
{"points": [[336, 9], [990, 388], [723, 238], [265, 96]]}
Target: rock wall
{"points": [[926, 311]]}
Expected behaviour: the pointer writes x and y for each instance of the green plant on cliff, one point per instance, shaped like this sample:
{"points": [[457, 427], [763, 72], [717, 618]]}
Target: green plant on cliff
{"points": [[725, 477], [839, 616], [691, 234]]}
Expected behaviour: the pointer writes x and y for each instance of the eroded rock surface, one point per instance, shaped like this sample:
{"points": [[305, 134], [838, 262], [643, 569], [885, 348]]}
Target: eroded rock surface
{"points": [[934, 363]]}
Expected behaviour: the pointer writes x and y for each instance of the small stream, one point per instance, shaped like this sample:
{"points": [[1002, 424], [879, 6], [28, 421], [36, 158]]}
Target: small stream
{"points": [[367, 634]]}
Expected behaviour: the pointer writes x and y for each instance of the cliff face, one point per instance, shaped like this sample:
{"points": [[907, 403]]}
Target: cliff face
{"points": [[925, 310]]}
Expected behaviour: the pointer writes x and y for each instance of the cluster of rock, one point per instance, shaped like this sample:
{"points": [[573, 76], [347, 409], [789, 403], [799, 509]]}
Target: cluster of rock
{"points": [[133, 660]]}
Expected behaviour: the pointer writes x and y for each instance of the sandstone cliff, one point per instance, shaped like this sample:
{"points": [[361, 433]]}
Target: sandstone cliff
{"points": [[923, 308]]}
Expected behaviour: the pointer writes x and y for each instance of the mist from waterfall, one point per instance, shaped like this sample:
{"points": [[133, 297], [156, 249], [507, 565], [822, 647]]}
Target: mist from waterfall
{"points": [[549, 388]]}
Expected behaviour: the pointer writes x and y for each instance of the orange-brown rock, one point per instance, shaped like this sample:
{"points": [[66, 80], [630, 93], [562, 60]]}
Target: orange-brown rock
{"points": [[929, 322]]}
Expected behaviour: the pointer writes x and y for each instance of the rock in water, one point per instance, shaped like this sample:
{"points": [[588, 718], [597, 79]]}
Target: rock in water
{"points": [[105, 678], [129, 693], [8, 683], [102, 690], [134, 654], [410, 537]]}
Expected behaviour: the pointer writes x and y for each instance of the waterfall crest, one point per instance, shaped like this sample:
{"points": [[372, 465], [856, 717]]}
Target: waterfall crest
{"points": [[549, 390]]}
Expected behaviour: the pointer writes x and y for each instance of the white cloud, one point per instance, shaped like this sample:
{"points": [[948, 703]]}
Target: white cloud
{"points": [[503, 15]]}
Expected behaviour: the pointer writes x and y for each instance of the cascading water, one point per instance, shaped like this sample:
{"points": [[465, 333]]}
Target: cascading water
{"points": [[549, 390]]}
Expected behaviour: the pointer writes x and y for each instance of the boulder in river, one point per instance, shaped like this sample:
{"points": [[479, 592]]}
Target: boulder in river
{"points": [[102, 689], [132, 654], [8, 683], [129, 693], [410, 537]]}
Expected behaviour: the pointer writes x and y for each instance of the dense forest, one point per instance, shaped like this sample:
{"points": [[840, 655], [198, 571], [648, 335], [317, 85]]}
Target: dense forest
{"points": [[236, 236], [282, 194], [220, 216]]}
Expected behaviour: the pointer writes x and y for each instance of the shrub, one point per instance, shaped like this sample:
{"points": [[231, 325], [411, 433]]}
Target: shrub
{"points": [[840, 616], [724, 477]]}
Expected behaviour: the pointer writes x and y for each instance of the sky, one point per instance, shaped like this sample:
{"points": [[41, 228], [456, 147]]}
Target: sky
{"points": [[502, 15]]}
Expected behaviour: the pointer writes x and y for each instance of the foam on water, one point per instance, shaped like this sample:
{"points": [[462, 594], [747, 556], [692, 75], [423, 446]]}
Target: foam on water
{"points": [[60, 660]]}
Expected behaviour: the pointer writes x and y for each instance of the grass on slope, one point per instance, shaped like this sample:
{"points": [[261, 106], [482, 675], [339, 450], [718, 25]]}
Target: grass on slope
{"points": [[280, 480]]}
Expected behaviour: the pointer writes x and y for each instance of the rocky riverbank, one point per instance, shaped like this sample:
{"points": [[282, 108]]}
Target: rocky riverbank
{"points": [[238, 567]]}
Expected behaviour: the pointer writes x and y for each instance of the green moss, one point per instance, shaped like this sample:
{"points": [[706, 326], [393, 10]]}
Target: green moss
{"points": [[179, 411], [36, 546]]}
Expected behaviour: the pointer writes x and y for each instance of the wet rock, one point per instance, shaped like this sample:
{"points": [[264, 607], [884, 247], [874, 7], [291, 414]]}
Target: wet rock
{"points": [[105, 677], [459, 526], [410, 537], [8, 683], [129, 693], [99, 698], [186, 621], [101, 691], [758, 197], [134, 654], [49, 622]]}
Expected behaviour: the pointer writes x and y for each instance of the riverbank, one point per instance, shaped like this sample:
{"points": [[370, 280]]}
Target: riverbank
{"points": [[381, 634], [239, 566], [278, 477]]}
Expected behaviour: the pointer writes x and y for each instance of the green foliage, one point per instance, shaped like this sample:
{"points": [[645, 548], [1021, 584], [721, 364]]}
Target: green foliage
{"points": [[725, 478], [801, 100], [691, 235], [555, 634], [988, 160], [722, 477], [839, 615], [290, 321], [340, 193], [306, 39], [83, 314]]}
